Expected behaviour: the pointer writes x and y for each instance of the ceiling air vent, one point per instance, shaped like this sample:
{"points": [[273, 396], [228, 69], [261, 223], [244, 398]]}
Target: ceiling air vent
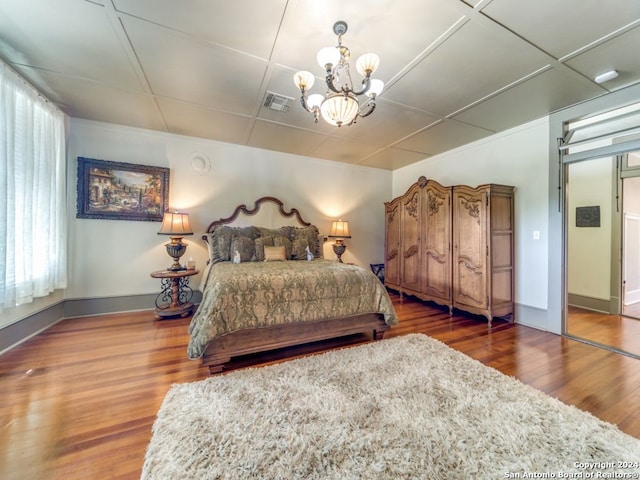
{"points": [[277, 102]]}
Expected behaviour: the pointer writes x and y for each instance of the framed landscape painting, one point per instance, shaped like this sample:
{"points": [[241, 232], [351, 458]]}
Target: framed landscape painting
{"points": [[121, 191]]}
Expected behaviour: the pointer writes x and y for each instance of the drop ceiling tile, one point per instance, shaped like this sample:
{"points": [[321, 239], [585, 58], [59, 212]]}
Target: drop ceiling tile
{"points": [[195, 121], [341, 150], [548, 92], [196, 72], [66, 36], [391, 158], [442, 137], [551, 24], [94, 101], [611, 55], [388, 123], [381, 27], [216, 21], [280, 138], [487, 59]]}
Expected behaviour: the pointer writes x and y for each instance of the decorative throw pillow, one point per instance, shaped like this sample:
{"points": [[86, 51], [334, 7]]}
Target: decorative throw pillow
{"points": [[310, 235], [269, 232], [298, 249], [220, 241], [244, 246], [281, 241], [274, 254], [259, 244], [287, 231], [210, 246]]}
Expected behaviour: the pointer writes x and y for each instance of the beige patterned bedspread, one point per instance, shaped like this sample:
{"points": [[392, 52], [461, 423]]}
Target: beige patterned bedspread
{"points": [[259, 294]]}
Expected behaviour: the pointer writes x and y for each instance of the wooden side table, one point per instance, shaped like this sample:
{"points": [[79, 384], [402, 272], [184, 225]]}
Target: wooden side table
{"points": [[175, 298]]}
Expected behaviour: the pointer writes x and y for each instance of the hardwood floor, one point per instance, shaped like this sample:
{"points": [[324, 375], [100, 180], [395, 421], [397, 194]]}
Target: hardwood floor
{"points": [[79, 400], [616, 331]]}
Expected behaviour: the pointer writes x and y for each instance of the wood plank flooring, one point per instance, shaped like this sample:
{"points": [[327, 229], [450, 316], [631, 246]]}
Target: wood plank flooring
{"points": [[78, 401], [615, 331]]}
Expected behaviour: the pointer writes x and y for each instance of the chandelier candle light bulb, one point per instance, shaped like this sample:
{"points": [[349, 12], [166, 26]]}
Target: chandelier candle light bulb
{"points": [[340, 106]]}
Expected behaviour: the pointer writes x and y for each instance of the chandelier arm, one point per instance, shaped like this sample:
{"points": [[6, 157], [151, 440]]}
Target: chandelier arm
{"points": [[305, 105], [329, 80], [367, 84], [371, 105], [303, 101]]}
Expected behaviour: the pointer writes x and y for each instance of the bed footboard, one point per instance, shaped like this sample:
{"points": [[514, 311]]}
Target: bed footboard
{"points": [[221, 350]]}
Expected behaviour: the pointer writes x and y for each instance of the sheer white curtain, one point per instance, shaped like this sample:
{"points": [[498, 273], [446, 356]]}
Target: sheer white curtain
{"points": [[33, 229]]}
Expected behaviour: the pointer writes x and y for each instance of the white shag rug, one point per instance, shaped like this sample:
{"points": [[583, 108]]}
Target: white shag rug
{"points": [[403, 408]]}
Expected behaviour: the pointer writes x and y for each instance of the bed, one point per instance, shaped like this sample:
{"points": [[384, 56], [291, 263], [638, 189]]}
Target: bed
{"points": [[261, 293]]}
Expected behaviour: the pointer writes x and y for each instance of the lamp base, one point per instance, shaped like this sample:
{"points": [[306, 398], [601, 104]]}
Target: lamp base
{"points": [[339, 249], [175, 249]]}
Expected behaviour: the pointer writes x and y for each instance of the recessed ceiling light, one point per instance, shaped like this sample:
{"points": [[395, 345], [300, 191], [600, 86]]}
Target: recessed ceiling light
{"points": [[606, 76]]}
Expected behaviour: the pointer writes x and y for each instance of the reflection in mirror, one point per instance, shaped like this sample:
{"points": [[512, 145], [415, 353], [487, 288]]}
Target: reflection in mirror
{"points": [[603, 258]]}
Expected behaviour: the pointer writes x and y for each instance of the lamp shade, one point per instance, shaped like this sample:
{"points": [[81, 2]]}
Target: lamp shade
{"points": [[339, 109], [375, 87], [176, 224], [367, 64], [315, 100], [328, 56], [340, 229], [304, 80]]}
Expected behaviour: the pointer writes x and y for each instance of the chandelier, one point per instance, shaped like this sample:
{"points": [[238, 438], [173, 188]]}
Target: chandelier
{"points": [[341, 104]]}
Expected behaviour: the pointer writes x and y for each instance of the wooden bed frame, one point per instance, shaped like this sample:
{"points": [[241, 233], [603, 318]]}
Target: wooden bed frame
{"points": [[220, 351]]}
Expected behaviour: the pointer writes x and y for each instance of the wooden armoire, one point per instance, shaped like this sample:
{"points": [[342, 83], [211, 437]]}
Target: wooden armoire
{"points": [[453, 246], [418, 242]]}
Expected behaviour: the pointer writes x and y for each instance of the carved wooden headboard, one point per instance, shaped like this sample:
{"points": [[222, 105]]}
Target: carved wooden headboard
{"points": [[292, 213]]}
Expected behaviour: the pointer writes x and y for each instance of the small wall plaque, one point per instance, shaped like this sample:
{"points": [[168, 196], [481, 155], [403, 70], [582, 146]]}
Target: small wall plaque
{"points": [[588, 216]]}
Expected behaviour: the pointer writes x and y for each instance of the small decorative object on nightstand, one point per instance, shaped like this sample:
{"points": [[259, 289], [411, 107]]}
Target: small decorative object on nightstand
{"points": [[176, 225], [175, 298], [339, 231]]}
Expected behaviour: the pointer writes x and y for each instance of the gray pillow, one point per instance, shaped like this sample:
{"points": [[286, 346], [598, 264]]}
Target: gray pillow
{"points": [[244, 246], [310, 236], [259, 244], [281, 241], [298, 249], [221, 238]]}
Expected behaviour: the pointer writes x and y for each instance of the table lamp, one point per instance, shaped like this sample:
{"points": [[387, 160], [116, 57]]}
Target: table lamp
{"points": [[176, 225], [339, 231]]}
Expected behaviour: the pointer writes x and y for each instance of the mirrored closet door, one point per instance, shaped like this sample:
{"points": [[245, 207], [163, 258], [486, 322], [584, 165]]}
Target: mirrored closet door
{"points": [[602, 232]]}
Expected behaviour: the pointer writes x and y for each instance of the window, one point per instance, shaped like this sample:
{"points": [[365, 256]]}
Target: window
{"points": [[32, 193]]}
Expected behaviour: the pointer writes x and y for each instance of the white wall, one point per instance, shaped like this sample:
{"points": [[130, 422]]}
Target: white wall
{"points": [[114, 258], [517, 157]]}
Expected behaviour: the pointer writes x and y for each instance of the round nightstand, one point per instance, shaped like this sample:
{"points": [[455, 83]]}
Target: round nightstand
{"points": [[175, 298]]}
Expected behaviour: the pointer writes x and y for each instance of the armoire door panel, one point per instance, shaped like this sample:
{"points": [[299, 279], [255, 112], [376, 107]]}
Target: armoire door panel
{"points": [[392, 244], [471, 285], [436, 248], [470, 247], [439, 279], [410, 241]]}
